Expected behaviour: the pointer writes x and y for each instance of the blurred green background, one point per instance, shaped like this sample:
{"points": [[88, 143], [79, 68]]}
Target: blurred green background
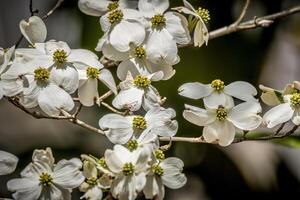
{"points": [[248, 170]]}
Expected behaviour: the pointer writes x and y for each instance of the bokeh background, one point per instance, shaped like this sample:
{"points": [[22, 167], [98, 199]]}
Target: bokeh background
{"points": [[270, 56]]}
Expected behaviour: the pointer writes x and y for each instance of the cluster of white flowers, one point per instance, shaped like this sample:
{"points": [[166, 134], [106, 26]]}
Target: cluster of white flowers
{"points": [[142, 37]]}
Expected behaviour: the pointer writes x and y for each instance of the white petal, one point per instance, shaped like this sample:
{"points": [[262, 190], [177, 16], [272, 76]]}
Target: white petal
{"points": [[245, 117], [195, 90], [201, 35], [152, 187], [277, 115], [177, 26], [198, 116], [88, 92], [52, 45], [93, 7], [122, 36], [131, 98], [296, 120], [24, 188], [44, 156], [161, 48], [107, 78], [216, 99], [128, 4], [241, 90], [113, 161], [149, 8], [53, 99], [269, 96], [222, 132], [8, 163], [172, 177], [136, 67], [11, 87], [95, 193], [111, 53], [151, 98], [67, 174], [119, 128], [167, 69], [29, 99], [105, 24], [84, 58], [118, 186], [66, 77], [34, 30]]}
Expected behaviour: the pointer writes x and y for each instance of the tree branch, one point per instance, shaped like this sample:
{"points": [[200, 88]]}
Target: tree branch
{"points": [[243, 13]]}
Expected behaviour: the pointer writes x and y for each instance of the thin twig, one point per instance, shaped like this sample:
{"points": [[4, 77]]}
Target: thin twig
{"points": [[243, 13], [111, 108], [103, 97], [50, 12], [31, 10]]}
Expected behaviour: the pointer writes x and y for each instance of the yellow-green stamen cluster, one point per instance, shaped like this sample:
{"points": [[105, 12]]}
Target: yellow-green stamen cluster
{"points": [[46, 179], [221, 114], [60, 56], [217, 85], [128, 169], [204, 14], [139, 122], [157, 170], [140, 52], [159, 154], [113, 6], [158, 20], [295, 99], [132, 145], [92, 181], [41, 74], [92, 72], [102, 162], [115, 16], [142, 82]]}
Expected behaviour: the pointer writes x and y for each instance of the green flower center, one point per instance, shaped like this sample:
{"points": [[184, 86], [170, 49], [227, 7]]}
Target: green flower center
{"points": [[139, 122], [140, 52], [60, 56], [222, 114], [295, 99], [142, 82], [132, 145], [115, 16], [217, 85], [92, 72], [159, 154], [204, 14], [157, 170], [92, 181], [102, 162], [128, 169], [41, 74], [46, 179], [113, 5], [158, 20]]}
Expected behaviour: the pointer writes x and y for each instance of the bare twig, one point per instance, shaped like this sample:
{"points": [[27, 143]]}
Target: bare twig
{"points": [[243, 13], [103, 97], [50, 12], [112, 109], [32, 11]]}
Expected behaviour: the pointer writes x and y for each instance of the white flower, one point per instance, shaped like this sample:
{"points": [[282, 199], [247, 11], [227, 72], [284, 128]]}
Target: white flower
{"points": [[118, 25], [166, 30], [43, 180], [137, 92], [217, 93], [220, 122], [289, 110], [129, 169], [201, 16], [168, 173], [10, 83], [8, 163], [157, 121], [88, 83], [100, 7], [34, 30]]}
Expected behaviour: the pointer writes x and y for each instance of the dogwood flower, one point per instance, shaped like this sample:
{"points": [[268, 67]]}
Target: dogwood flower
{"points": [[43, 180], [88, 83], [157, 121], [289, 110], [220, 123], [10, 83], [167, 172], [129, 169], [8, 163], [137, 92], [34, 30], [217, 93], [201, 16], [166, 30], [101, 7]]}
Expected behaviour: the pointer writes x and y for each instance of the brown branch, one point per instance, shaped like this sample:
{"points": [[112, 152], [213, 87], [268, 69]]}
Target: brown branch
{"points": [[236, 140], [257, 22]]}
